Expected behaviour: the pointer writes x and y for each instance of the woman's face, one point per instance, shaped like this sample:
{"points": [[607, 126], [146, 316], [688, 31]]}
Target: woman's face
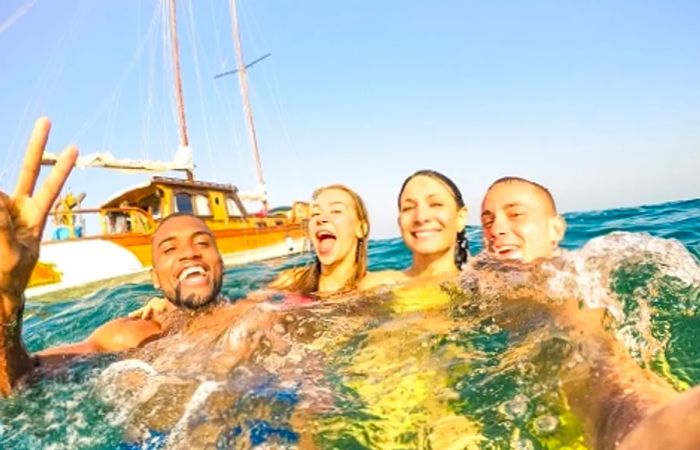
{"points": [[334, 227], [429, 217]]}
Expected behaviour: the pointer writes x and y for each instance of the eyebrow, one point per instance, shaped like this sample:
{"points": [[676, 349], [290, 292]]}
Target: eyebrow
{"points": [[507, 206], [192, 236]]}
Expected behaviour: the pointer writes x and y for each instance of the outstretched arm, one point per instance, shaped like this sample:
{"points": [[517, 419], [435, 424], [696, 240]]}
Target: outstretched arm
{"points": [[22, 219]]}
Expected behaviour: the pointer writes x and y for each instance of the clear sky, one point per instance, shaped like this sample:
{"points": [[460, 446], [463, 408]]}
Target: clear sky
{"points": [[598, 100]]}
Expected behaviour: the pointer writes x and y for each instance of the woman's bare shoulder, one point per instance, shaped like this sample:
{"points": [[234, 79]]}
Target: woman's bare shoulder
{"points": [[381, 278]]}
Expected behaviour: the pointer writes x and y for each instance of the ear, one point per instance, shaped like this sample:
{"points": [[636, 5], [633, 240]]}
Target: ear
{"points": [[557, 228], [154, 279], [362, 230], [462, 216]]}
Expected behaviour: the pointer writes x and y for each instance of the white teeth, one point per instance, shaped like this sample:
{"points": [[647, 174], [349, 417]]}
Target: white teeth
{"points": [[424, 233], [191, 271]]}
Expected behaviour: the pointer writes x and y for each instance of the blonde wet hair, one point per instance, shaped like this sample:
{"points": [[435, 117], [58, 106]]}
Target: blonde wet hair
{"points": [[306, 280]]}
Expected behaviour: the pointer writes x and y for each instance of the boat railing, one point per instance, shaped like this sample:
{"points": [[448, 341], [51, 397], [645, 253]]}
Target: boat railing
{"points": [[98, 222]]}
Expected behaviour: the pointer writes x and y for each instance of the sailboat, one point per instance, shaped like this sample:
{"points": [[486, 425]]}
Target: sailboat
{"points": [[120, 250]]}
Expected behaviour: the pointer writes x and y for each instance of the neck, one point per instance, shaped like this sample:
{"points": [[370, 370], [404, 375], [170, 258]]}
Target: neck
{"points": [[335, 276], [432, 265]]}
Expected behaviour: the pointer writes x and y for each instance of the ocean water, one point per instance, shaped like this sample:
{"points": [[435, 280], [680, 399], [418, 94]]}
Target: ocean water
{"points": [[482, 384]]}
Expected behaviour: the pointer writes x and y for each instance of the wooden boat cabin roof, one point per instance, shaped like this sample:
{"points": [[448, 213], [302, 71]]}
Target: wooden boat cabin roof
{"points": [[162, 196]]}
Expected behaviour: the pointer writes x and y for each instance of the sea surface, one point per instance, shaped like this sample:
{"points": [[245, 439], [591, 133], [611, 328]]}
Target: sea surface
{"points": [[642, 265]]}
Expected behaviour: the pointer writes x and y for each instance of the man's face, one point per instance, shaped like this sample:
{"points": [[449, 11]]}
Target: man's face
{"points": [[187, 265], [519, 222]]}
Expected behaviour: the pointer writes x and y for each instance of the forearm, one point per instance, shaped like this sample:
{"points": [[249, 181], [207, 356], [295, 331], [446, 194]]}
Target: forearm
{"points": [[611, 393], [15, 361]]}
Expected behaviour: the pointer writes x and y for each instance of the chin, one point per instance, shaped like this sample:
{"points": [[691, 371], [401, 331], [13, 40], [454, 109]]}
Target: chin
{"points": [[429, 249], [196, 299], [327, 260]]}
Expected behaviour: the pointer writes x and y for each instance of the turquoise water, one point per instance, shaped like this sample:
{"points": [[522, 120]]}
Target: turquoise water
{"points": [[512, 403]]}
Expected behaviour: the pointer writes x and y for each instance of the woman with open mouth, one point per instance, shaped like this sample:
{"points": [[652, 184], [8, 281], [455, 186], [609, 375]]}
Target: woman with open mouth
{"points": [[338, 230]]}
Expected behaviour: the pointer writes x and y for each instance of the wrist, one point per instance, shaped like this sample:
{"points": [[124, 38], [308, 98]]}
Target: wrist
{"points": [[11, 306]]}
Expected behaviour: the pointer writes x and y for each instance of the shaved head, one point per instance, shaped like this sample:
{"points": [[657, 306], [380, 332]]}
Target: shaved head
{"points": [[541, 190]]}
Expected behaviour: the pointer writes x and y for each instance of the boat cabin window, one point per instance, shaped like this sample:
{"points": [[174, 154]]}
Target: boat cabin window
{"points": [[232, 208], [183, 203], [151, 204], [201, 203]]}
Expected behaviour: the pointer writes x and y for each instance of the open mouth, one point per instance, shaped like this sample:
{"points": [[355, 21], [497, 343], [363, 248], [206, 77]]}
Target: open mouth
{"points": [[326, 241], [508, 252], [193, 275]]}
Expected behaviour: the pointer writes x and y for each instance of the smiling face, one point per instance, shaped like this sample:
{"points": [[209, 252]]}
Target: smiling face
{"points": [[519, 222], [335, 226], [429, 217], [187, 265]]}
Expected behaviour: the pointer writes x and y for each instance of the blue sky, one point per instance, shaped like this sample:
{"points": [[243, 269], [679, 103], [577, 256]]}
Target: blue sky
{"points": [[598, 100]]}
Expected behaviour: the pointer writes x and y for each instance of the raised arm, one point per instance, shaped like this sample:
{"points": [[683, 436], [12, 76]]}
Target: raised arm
{"points": [[22, 219]]}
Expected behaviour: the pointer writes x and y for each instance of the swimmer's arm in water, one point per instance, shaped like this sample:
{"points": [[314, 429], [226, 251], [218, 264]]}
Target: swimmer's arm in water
{"points": [[22, 220], [114, 336], [608, 390]]}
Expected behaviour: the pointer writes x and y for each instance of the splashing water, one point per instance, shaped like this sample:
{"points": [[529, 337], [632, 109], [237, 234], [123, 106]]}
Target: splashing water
{"points": [[415, 368]]}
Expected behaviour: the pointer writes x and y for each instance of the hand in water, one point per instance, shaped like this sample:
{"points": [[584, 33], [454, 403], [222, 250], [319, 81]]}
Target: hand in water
{"points": [[153, 308], [23, 214]]}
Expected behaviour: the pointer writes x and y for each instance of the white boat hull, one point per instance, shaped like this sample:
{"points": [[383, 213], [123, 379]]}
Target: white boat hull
{"points": [[88, 262]]}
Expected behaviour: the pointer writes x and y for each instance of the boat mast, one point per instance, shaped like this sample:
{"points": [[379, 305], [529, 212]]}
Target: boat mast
{"points": [[182, 121], [243, 85]]}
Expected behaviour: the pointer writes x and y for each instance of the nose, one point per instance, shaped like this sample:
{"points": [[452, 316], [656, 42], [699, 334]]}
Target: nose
{"points": [[190, 251], [499, 225], [322, 218], [421, 213]]}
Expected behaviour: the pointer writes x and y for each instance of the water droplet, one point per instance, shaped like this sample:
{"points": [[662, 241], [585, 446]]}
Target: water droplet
{"points": [[492, 329], [516, 407], [546, 424]]}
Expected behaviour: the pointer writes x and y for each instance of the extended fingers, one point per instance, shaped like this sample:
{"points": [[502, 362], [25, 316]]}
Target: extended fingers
{"points": [[32, 158], [7, 233], [48, 192]]}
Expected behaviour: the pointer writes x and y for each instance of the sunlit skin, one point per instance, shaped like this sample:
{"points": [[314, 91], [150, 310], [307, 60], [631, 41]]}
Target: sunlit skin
{"points": [[187, 265], [334, 230], [519, 222], [429, 220], [22, 219]]}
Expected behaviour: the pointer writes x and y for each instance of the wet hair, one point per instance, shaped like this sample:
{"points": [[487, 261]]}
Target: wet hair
{"points": [[543, 190], [306, 280], [462, 247]]}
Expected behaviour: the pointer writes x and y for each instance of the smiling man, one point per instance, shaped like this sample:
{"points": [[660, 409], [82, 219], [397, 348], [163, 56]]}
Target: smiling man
{"points": [[520, 220], [187, 268], [187, 265], [621, 405]]}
